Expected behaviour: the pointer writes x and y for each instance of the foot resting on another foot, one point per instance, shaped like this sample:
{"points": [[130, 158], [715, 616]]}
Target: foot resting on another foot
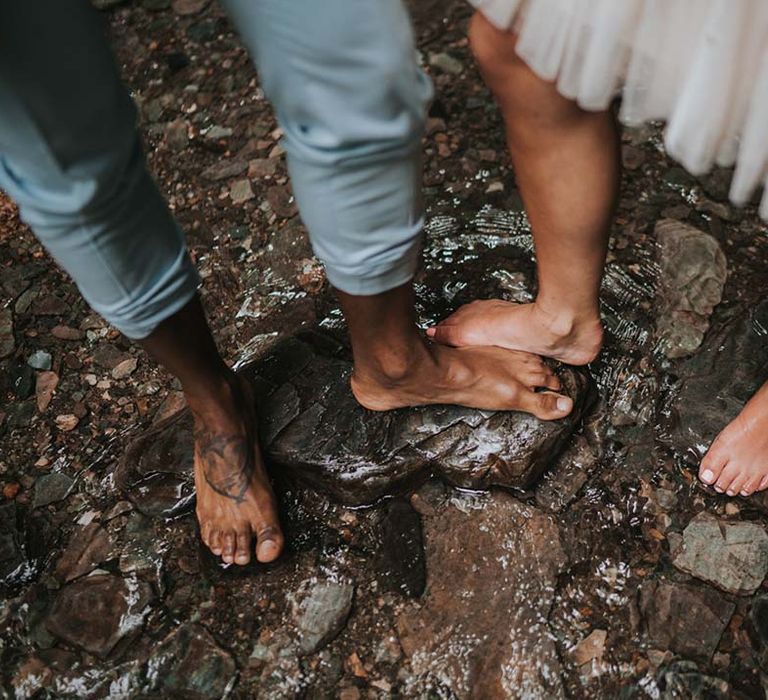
{"points": [[737, 461], [235, 503], [521, 327]]}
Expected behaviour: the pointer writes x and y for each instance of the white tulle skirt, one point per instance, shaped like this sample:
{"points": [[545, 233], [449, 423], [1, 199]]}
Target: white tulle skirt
{"points": [[700, 65]]}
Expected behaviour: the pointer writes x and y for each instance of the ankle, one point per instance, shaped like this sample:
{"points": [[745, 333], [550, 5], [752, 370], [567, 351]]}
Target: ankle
{"points": [[216, 394], [392, 365], [566, 323]]}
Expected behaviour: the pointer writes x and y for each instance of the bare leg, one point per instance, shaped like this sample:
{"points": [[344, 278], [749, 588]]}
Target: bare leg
{"points": [[395, 367], [567, 166], [234, 498], [737, 461]]}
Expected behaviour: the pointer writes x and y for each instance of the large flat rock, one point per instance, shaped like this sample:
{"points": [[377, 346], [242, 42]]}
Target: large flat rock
{"points": [[482, 631], [312, 427]]}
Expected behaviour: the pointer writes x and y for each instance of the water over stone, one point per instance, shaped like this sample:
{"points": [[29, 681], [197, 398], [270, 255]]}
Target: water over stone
{"points": [[451, 639], [312, 427]]}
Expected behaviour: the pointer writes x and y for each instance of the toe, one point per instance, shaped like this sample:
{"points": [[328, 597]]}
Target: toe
{"points": [[269, 543], [447, 334], [711, 466], [228, 549], [243, 547], [750, 485], [737, 485], [214, 541], [763, 484], [546, 405], [729, 473]]}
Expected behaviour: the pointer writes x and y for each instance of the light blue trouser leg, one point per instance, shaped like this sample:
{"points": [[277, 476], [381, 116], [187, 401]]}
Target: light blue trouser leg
{"points": [[70, 157], [349, 97], [351, 101]]}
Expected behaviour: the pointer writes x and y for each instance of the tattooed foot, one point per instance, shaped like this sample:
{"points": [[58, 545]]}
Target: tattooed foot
{"points": [[235, 503]]}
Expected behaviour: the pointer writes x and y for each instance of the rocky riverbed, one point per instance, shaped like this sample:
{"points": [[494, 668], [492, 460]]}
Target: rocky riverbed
{"points": [[435, 553]]}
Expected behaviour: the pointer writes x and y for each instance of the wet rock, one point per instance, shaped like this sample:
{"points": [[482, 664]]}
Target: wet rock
{"points": [[590, 648], [21, 379], [190, 664], [683, 679], [715, 384], [452, 640], [155, 473], [683, 618], [732, 555], [313, 428], [87, 549], [693, 273], [97, 612], [11, 546], [560, 486], [399, 558], [322, 613], [188, 7], [51, 488], [125, 368], [7, 341]]}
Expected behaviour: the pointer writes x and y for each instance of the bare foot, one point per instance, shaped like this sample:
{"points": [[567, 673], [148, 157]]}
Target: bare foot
{"points": [[235, 503], [737, 461], [521, 327], [480, 377]]}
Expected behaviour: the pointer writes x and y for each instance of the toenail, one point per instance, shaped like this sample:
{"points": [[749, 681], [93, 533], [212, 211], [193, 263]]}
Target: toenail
{"points": [[563, 403], [718, 489], [707, 476], [745, 493], [731, 493]]}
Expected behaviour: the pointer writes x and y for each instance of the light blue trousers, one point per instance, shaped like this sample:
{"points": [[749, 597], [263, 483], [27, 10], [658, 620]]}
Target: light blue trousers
{"points": [[348, 94]]}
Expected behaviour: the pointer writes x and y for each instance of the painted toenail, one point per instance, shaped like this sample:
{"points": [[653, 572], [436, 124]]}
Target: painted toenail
{"points": [[707, 476], [731, 493], [563, 404], [745, 493], [718, 489]]}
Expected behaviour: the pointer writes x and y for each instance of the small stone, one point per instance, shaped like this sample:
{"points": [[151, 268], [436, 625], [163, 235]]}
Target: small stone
{"points": [[108, 356], [177, 135], [125, 368], [7, 340], [51, 488], [590, 648], [241, 191], [446, 63], [188, 7], [355, 665], [215, 133], [282, 202], [225, 169], [67, 333], [11, 490], [261, 167], [50, 305], [732, 555], [322, 614], [44, 388], [40, 359], [66, 422]]}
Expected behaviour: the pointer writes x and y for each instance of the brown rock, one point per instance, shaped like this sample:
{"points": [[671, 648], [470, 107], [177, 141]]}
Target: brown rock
{"points": [[225, 169], [125, 368], [67, 422], [7, 341], [261, 167], [50, 305], [281, 200], [45, 386], [96, 612], [241, 191], [67, 333], [87, 549], [492, 568], [189, 7]]}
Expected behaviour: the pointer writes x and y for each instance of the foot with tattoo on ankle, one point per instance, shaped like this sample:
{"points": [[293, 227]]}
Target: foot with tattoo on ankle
{"points": [[235, 503]]}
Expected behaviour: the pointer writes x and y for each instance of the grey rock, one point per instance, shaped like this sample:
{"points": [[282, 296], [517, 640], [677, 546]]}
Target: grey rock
{"points": [[446, 63], [7, 340], [96, 612], [322, 613], [189, 664], [683, 680], [224, 169], [693, 273], [683, 618], [40, 359], [218, 132], [312, 427], [51, 488], [732, 555], [511, 575], [241, 191]]}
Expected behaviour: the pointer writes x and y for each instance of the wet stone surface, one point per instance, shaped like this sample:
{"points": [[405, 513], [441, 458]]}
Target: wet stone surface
{"points": [[599, 575]]}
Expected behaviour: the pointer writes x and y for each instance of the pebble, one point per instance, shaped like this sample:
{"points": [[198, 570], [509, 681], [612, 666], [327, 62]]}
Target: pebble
{"points": [[189, 7], [322, 613], [7, 340], [67, 333], [40, 359], [51, 488], [218, 132], [46, 385], [125, 368], [66, 422], [446, 63], [177, 134], [241, 191]]}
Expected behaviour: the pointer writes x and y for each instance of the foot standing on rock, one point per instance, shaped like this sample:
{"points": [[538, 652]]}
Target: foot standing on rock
{"points": [[71, 158], [554, 71]]}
